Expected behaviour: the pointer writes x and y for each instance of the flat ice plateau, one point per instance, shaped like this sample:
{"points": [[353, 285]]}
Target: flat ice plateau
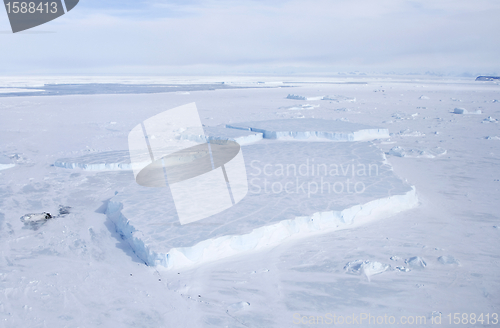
{"points": [[432, 260], [310, 128], [295, 189]]}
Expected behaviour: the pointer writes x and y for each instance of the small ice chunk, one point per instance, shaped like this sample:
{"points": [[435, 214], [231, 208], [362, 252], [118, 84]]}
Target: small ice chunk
{"points": [[490, 119], [416, 262], [235, 307], [403, 269], [35, 220], [423, 97], [460, 111], [367, 268], [448, 259], [297, 97], [372, 268]]}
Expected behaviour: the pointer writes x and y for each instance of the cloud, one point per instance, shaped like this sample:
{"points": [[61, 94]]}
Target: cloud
{"points": [[160, 37]]}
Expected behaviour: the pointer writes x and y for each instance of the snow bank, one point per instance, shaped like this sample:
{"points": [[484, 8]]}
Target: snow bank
{"points": [[310, 128]]}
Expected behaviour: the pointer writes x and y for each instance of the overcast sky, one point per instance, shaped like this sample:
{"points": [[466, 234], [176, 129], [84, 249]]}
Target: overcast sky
{"points": [[133, 37]]}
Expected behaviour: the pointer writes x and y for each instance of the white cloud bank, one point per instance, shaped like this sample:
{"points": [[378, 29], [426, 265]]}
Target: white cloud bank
{"points": [[257, 36]]}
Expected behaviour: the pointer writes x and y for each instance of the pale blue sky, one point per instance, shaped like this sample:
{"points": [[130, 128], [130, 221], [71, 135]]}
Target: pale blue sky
{"points": [[100, 37]]}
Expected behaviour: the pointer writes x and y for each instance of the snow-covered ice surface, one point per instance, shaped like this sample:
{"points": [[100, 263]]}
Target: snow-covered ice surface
{"points": [[5, 163], [295, 189], [417, 153], [76, 270], [102, 161]]}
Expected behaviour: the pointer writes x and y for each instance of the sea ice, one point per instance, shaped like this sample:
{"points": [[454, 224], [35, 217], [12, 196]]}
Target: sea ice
{"points": [[100, 161], [339, 98], [221, 133], [368, 268], [416, 262], [295, 189], [417, 153], [465, 111], [5, 163], [448, 259], [490, 119]]}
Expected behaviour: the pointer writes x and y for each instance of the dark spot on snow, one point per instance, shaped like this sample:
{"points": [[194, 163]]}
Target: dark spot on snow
{"points": [[63, 210]]}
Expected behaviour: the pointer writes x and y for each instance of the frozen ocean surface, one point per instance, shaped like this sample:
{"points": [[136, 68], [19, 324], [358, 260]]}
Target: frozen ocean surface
{"points": [[438, 258]]}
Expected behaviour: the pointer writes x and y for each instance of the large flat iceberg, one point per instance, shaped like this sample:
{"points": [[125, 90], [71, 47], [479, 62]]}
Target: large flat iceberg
{"points": [[295, 189], [311, 128]]}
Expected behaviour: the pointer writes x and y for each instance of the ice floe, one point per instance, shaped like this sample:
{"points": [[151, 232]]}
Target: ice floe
{"points": [[490, 119], [465, 111], [417, 153], [339, 98], [416, 262], [5, 163], [408, 133], [101, 161], [6, 166], [336, 98], [220, 133], [303, 107], [368, 268], [310, 128], [322, 187], [448, 259]]}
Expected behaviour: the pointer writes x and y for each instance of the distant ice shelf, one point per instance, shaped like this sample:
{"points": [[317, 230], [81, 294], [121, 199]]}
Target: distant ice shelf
{"points": [[294, 191], [222, 133], [310, 129], [242, 133], [103, 161]]}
